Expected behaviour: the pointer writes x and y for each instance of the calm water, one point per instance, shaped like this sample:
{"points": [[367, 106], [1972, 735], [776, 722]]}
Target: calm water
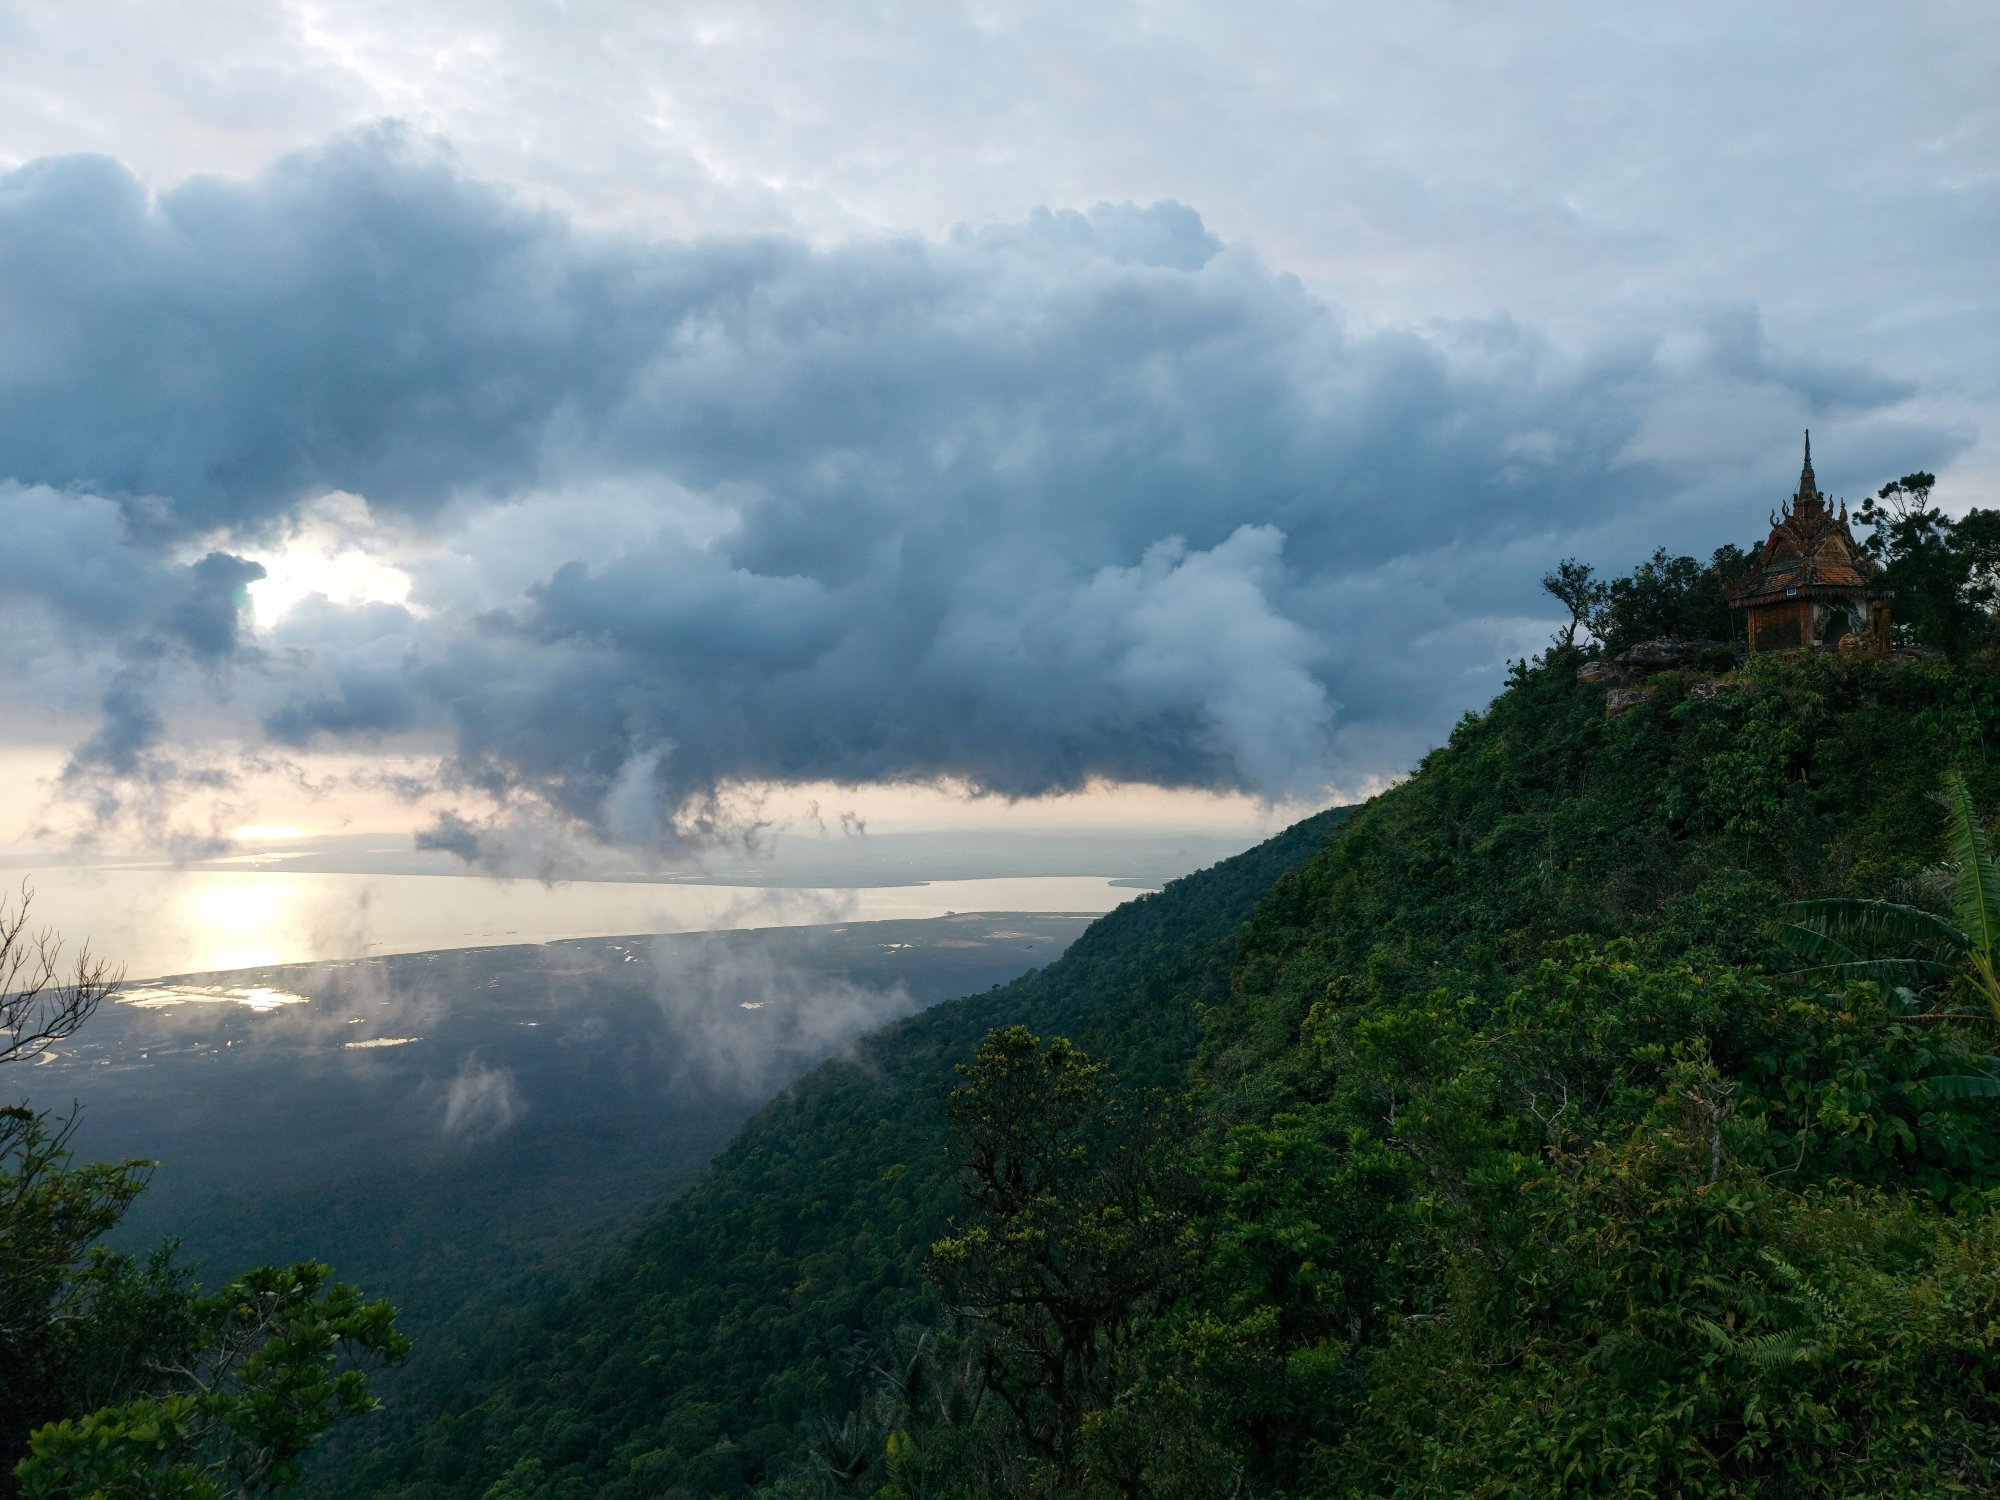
{"points": [[158, 922]]}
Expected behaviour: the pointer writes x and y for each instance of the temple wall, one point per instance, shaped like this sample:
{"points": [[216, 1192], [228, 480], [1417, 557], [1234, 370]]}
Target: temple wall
{"points": [[1788, 624], [1780, 627]]}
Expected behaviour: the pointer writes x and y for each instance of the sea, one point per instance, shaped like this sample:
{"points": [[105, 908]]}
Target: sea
{"points": [[154, 922]]}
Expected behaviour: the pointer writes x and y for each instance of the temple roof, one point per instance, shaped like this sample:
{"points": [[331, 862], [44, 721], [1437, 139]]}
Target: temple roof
{"points": [[1810, 551]]}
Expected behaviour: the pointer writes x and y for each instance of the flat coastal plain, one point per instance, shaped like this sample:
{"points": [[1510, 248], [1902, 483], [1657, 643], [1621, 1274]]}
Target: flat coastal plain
{"points": [[449, 1127]]}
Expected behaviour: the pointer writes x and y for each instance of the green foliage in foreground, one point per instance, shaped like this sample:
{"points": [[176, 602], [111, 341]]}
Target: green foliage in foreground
{"points": [[1076, 1231], [1638, 1227], [1515, 1160], [122, 1379], [1516, 1118], [276, 1358], [1528, 1170]]}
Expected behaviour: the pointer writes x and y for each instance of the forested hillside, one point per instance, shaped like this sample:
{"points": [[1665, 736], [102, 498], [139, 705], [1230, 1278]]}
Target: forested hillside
{"points": [[1511, 1153], [1541, 1146], [1548, 1154], [693, 1358]]}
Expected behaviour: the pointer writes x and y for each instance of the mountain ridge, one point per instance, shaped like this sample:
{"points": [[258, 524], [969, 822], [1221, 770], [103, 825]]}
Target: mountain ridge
{"points": [[828, 1125]]}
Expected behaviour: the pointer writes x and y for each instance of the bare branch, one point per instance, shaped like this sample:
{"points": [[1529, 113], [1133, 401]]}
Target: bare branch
{"points": [[42, 1000]]}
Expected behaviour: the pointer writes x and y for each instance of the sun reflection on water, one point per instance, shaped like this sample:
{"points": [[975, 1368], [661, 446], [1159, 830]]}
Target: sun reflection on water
{"points": [[258, 997], [241, 921]]}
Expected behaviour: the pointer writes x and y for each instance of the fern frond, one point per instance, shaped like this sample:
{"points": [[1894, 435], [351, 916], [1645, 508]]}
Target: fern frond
{"points": [[1932, 888], [1779, 1349], [1714, 1332]]}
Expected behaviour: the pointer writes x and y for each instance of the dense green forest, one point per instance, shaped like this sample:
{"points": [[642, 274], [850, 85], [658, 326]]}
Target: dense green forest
{"points": [[1503, 1149]]}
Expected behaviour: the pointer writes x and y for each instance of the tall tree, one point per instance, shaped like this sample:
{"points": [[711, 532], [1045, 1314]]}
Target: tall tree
{"points": [[1944, 573], [1578, 589], [1077, 1225]]}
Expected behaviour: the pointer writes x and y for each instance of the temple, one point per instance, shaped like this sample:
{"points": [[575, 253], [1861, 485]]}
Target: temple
{"points": [[1812, 584]]}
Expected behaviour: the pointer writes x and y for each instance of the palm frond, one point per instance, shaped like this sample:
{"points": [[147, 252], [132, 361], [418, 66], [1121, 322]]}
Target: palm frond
{"points": [[1887, 971], [1965, 1085], [1857, 926], [1814, 946], [1977, 900], [1933, 888], [1985, 980]]}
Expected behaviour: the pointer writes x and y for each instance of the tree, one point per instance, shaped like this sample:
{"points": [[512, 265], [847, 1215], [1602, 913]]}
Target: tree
{"points": [[1945, 574], [38, 1005], [1078, 1226], [1669, 596], [116, 1373], [277, 1356], [1900, 502], [75, 1325], [1975, 537], [1578, 589]]}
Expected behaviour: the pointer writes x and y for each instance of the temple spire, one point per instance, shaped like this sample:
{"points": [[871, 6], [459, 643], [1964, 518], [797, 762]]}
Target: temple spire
{"points": [[1808, 495]]}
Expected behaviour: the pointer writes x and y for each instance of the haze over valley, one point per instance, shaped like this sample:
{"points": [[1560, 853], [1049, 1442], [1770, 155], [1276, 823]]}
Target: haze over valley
{"points": [[453, 1123]]}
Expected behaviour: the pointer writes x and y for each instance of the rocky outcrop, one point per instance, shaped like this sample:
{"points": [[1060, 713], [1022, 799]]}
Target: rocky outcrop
{"points": [[1665, 654], [1624, 677]]}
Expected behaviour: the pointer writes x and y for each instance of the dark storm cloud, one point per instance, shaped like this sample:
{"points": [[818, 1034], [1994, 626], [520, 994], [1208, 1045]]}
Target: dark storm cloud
{"points": [[132, 726], [127, 625], [360, 317], [364, 318], [208, 618], [1740, 347], [1090, 495], [345, 670], [127, 767]]}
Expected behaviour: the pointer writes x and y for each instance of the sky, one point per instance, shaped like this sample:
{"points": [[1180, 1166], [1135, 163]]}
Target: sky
{"points": [[541, 428]]}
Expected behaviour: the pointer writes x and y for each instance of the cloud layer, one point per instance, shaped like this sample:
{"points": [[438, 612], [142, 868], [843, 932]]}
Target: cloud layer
{"points": [[1089, 495]]}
